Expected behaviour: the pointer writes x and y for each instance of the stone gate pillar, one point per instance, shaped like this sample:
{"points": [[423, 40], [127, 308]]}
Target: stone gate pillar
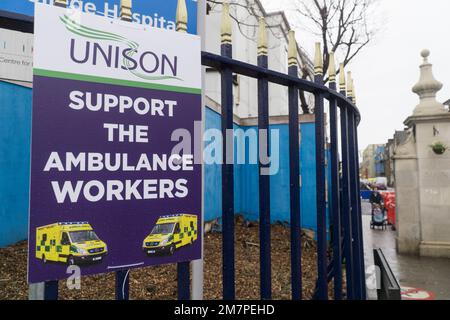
{"points": [[423, 175], [407, 196]]}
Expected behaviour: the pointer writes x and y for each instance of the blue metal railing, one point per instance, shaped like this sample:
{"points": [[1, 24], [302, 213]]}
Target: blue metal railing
{"points": [[335, 198], [264, 186], [294, 163], [347, 245]]}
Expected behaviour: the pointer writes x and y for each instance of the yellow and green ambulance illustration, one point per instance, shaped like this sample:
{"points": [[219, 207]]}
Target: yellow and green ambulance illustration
{"points": [[69, 242], [171, 232]]}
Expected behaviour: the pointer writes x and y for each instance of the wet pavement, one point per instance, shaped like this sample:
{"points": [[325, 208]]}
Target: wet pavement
{"points": [[429, 274]]}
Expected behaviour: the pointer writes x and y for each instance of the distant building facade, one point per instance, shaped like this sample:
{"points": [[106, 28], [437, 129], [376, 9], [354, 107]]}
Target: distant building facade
{"points": [[373, 164], [380, 169], [389, 162]]}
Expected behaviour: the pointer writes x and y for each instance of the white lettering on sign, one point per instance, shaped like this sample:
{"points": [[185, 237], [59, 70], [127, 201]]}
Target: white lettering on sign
{"points": [[95, 190], [92, 161], [122, 104]]}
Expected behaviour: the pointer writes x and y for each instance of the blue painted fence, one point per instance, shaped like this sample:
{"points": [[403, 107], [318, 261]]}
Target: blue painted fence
{"points": [[246, 179], [15, 127]]}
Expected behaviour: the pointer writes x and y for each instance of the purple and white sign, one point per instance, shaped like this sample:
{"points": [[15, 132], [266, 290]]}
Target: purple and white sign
{"points": [[114, 184]]}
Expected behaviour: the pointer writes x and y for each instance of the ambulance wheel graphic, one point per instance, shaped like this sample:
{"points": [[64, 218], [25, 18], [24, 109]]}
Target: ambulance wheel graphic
{"points": [[172, 249], [70, 261]]}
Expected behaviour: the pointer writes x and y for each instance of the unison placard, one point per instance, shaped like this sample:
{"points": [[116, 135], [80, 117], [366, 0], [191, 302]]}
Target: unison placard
{"points": [[114, 184]]}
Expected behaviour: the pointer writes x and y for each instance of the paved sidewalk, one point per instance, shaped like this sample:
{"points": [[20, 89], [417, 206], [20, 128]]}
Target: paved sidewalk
{"points": [[425, 273]]}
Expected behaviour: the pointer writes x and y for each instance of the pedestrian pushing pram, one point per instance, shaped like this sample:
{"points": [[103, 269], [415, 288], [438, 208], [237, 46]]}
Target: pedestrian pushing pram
{"points": [[378, 217]]}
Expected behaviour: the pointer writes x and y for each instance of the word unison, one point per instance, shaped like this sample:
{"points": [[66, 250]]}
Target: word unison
{"points": [[123, 58]]}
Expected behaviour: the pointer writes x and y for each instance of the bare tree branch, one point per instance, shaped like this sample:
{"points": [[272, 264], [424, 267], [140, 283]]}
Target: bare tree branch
{"points": [[343, 26]]}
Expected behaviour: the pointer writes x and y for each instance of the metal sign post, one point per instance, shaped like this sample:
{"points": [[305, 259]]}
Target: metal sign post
{"points": [[198, 265]]}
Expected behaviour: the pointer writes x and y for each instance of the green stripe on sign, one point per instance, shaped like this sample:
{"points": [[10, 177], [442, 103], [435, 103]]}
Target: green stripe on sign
{"points": [[118, 82]]}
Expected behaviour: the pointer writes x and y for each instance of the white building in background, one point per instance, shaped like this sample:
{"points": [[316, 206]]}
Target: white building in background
{"points": [[16, 57], [245, 49]]}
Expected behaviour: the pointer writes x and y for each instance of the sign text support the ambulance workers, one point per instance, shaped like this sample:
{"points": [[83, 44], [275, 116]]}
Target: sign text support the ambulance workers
{"points": [[110, 190], [111, 186]]}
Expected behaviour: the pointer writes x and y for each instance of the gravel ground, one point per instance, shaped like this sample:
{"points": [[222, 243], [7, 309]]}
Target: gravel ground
{"points": [[160, 282]]}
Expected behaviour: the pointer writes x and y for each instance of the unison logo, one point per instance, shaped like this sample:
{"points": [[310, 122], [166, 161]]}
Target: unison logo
{"points": [[126, 57]]}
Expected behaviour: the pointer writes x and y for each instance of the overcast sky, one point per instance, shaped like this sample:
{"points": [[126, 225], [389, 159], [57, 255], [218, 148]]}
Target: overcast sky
{"points": [[386, 71]]}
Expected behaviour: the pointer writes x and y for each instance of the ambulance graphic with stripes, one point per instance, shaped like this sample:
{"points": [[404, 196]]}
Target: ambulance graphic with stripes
{"points": [[74, 243], [170, 233]]}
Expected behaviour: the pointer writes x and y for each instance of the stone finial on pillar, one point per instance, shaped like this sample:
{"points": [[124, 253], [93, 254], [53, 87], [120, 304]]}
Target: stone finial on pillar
{"points": [[125, 10], [226, 24], [262, 38], [182, 16], [426, 89], [342, 82], [292, 49]]}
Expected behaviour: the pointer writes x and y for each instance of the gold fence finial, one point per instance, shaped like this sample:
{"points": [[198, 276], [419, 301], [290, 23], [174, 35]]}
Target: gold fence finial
{"points": [[349, 85], [318, 60], [353, 91], [332, 68], [342, 82], [61, 3], [125, 10], [292, 50], [262, 38], [226, 24], [182, 16]]}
